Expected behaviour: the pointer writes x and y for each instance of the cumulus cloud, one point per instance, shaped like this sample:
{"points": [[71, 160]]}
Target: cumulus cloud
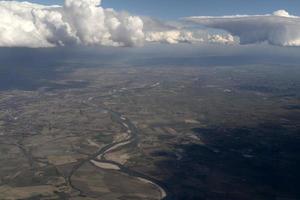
{"points": [[279, 28], [186, 36], [82, 22], [172, 37], [221, 38], [167, 32], [85, 22]]}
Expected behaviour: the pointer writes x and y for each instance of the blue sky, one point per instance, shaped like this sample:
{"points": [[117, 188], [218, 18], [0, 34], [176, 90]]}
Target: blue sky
{"points": [[173, 9]]}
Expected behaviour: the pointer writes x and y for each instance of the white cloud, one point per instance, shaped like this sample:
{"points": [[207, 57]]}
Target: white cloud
{"points": [[172, 37], [76, 22], [85, 22], [279, 28], [187, 36], [221, 38]]}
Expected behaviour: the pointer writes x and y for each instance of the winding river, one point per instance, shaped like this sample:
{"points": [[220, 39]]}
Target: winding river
{"points": [[98, 159]]}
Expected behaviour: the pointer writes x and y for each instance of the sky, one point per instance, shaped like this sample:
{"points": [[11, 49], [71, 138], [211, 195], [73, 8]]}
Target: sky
{"points": [[59, 23], [174, 9]]}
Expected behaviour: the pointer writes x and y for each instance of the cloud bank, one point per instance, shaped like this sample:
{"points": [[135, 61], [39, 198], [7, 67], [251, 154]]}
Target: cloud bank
{"points": [[85, 22], [82, 22], [279, 28], [186, 36], [172, 37]]}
